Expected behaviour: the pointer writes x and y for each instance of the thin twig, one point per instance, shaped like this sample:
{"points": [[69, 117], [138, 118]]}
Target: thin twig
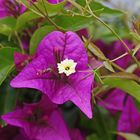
{"points": [[101, 21], [121, 56], [41, 13], [20, 43]]}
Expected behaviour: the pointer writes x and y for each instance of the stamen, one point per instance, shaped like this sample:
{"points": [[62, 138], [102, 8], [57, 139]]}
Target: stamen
{"points": [[27, 61], [41, 72], [67, 68], [57, 57]]}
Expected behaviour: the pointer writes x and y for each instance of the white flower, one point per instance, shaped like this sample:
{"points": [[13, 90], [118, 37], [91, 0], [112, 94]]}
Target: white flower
{"points": [[67, 66]]}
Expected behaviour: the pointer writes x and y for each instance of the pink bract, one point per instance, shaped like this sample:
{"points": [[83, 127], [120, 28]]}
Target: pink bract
{"points": [[42, 73], [39, 121], [129, 121]]}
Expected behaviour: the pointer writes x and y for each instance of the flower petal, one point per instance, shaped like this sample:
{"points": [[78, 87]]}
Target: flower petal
{"points": [[114, 101], [76, 87], [129, 119]]}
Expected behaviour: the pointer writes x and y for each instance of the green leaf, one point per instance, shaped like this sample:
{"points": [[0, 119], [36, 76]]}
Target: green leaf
{"points": [[7, 25], [123, 75], [92, 137], [73, 23], [98, 8], [129, 136], [34, 13], [95, 50], [129, 86], [108, 65], [7, 98], [135, 36], [24, 2], [40, 7], [6, 62], [103, 127], [95, 6], [52, 9], [136, 49], [38, 36], [102, 32], [24, 19]]}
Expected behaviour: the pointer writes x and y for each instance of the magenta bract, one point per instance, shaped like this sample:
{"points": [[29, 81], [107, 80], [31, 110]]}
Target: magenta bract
{"points": [[76, 134], [11, 133], [129, 120], [39, 121], [21, 60], [115, 50], [113, 101], [10, 8], [42, 72]]}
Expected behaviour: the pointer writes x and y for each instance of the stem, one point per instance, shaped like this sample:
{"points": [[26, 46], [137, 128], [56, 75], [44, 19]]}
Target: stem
{"points": [[20, 43], [114, 65], [101, 89], [117, 66], [45, 15], [37, 8], [111, 61], [1, 46], [121, 56], [30, 8], [100, 80], [87, 3], [129, 50], [101, 21], [76, 5]]}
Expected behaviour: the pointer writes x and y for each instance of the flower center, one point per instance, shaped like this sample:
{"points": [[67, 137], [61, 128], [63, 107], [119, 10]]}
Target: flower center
{"points": [[67, 67]]}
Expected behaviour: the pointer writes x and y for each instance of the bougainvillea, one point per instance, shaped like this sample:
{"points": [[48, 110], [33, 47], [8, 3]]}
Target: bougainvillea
{"points": [[45, 75], [10, 8], [69, 70], [129, 119], [39, 121]]}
